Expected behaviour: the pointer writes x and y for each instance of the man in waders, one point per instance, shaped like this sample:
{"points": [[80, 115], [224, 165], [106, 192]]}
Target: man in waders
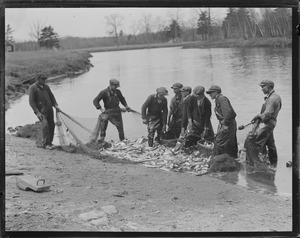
{"points": [[111, 97], [154, 114], [186, 96], [199, 114], [263, 139], [225, 141], [41, 100], [175, 113]]}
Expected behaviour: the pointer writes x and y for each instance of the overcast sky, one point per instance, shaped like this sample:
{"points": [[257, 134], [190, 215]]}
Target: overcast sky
{"points": [[87, 22]]}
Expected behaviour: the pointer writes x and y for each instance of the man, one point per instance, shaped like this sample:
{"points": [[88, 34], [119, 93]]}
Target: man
{"points": [[154, 114], [225, 141], [199, 114], [263, 138], [175, 113], [186, 95], [41, 100], [111, 97]]}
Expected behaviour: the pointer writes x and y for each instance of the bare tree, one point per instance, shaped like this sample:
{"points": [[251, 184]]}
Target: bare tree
{"points": [[35, 32], [114, 22], [146, 25]]}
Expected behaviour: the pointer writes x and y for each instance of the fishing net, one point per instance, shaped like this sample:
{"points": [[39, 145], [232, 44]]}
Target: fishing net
{"points": [[78, 134]]}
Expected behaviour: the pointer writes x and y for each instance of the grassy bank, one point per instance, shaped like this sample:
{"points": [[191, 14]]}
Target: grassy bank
{"points": [[22, 67], [257, 42]]}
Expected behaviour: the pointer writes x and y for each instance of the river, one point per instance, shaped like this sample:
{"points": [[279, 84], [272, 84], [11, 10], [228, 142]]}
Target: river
{"points": [[238, 71]]}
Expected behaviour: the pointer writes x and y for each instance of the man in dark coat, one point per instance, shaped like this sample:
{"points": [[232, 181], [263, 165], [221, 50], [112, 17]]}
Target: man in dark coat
{"points": [[263, 137], [111, 97], [225, 141], [154, 114], [199, 114], [186, 96], [41, 100], [175, 112]]}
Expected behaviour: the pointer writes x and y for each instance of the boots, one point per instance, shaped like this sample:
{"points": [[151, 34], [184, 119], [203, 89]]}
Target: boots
{"points": [[150, 141]]}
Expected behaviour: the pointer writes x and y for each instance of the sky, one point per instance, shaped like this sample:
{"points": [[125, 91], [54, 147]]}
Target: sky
{"points": [[88, 22]]}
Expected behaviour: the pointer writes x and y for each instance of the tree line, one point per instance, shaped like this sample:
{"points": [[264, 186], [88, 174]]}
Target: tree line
{"points": [[239, 23]]}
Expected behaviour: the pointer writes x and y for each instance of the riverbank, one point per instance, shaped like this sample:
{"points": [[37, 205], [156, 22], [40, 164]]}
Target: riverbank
{"points": [[22, 67], [88, 194]]}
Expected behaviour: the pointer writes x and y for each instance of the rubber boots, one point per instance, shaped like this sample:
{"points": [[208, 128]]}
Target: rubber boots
{"points": [[150, 141]]}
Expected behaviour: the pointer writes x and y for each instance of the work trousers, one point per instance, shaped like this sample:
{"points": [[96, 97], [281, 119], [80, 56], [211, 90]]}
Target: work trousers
{"points": [[116, 119], [47, 128], [154, 125], [175, 128], [226, 141], [261, 141]]}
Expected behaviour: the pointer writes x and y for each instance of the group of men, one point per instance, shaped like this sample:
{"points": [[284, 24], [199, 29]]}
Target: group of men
{"points": [[188, 117]]}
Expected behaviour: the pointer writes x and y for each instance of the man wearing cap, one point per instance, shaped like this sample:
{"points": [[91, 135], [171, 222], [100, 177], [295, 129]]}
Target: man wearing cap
{"points": [[41, 100], [263, 138], [175, 113], [111, 97], [199, 114], [154, 114], [225, 141]]}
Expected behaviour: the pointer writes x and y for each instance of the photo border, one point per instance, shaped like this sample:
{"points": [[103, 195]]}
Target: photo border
{"points": [[293, 4]]}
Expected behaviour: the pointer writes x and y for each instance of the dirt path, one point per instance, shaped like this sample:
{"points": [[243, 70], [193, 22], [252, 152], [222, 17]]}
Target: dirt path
{"points": [[90, 195]]}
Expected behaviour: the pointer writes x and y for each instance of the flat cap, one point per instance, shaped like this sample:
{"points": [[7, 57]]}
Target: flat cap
{"points": [[267, 82], [198, 90], [214, 88], [186, 88], [162, 90], [114, 82], [41, 76], [177, 85]]}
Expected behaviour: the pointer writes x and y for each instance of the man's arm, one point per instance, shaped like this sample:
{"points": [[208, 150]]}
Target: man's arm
{"points": [[97, 100], [32, 99], [145, 106]]}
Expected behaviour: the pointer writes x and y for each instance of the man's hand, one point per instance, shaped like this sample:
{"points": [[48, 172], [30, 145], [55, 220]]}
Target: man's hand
{"points": [[164, 128], [40, 116], [101, 109], [258, 116], [145, 121], [57, 109], [190, 126], [204, 133], [224, 128], [128, 109]]}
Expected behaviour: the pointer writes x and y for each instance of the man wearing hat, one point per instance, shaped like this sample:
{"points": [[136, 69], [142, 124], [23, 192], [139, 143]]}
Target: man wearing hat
{"points": [[199, 114], [263, 138], [111, 97], [175, 112], [41, 100], [225, 141], [154, 114]]}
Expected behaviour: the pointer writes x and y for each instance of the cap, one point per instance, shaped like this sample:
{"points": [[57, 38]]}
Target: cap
{"points": [[162, 90], [41, 76], [198, 90], [177, 85], [114, 82], [214, 88], [186, 88], [267, 82]]}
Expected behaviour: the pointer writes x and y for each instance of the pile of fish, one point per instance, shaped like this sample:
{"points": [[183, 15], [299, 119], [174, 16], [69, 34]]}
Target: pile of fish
{"points": [[192, 160]]}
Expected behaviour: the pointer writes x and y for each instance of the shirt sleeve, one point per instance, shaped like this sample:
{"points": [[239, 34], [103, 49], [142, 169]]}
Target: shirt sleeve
{"points": [[121, 98], [52, 98], [227, 111], [165, 112], [207, 116], [272, 106], [32, 99], [190, 108], [97, 100], [145, 106]]}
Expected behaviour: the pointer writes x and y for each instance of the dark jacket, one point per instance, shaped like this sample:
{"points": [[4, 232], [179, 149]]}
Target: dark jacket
{"points": [[185, 105], [224, 111], [111, 99], [41, 99], [271, 108], [151, 108], [176, 107], [199, 110]]}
